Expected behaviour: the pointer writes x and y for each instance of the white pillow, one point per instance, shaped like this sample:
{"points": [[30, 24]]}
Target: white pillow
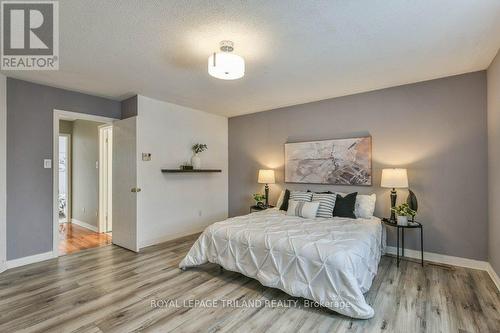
{"points": [[300, 196], [280, 199], [365, 206], [302, 209], [326, 204]]}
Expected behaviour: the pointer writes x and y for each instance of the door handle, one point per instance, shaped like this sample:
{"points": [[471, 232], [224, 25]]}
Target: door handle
{"points": [[135, 190]]}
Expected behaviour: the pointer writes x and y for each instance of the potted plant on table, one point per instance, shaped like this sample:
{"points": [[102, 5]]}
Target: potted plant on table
{"points": [[197, 149], [403, 212], [259, 199]]}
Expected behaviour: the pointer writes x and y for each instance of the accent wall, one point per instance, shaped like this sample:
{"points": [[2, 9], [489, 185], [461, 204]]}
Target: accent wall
{"points": [[494, 162], [436, 129], [30, 112]]}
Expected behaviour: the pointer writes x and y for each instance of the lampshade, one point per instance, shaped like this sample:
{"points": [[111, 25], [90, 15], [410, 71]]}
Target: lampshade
{"points": [[226, 66], [394, 178], [266, 176]]}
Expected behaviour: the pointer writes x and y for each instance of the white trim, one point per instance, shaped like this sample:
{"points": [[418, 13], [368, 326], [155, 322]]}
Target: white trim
{"points": [[72, 116], [85, 225], [30, 259], [63, 115], [493, 275], [159, 240], [442, 259]]}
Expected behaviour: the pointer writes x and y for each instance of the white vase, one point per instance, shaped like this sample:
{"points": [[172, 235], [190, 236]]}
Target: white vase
{"points": [[403, 220], [196, 161]]}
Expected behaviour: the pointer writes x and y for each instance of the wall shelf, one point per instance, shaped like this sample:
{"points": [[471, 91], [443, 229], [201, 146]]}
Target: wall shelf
{"points": [[190, 171]]}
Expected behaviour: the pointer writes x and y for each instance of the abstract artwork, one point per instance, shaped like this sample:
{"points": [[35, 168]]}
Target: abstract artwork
{"points": [[338, 162]]}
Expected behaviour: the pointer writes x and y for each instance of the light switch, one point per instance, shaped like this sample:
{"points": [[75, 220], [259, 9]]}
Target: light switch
{"points": [[47, 163], [146, 157]]}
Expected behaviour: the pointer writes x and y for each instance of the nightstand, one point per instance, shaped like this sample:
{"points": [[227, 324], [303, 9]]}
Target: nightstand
{"points": [[256, 208], [411, 225]]}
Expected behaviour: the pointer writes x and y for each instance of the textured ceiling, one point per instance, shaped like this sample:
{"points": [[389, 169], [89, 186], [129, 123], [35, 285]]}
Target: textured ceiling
{"points": [[295, 51]]}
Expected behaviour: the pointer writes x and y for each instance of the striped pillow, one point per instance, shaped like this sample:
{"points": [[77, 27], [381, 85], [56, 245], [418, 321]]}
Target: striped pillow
{"points": [[302, 209], [300, 196], [326, 204]]}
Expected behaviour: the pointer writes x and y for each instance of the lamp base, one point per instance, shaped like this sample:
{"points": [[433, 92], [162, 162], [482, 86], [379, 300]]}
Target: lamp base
{"points": [[393, 203], [266, 189]]}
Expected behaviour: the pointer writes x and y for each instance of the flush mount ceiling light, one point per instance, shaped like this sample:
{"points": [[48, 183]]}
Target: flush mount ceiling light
{"points": [[226, 65]]}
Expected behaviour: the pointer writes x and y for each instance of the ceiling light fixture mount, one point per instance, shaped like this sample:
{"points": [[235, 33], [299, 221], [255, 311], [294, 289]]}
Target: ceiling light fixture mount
{"points": [[226, 46], [226, 65]]}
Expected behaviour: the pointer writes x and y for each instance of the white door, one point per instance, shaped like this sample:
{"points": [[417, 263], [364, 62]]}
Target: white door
{"points": [[105, 178], [64, 166], [124, 184]]}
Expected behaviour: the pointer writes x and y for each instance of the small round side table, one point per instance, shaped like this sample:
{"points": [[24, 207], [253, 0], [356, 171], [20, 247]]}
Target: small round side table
{"points": [[411, 225]]}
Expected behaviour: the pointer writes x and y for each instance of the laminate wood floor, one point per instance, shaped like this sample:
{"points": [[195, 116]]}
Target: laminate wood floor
{"points": [[109, 289], [73, 238]]}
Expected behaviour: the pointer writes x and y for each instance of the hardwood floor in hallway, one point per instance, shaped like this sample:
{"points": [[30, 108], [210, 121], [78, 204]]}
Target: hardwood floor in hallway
{"points": [[110, 289], [74, 238]]}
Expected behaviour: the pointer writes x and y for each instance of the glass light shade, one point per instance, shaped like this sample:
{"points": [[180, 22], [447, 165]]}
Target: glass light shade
{"points": [[266, 176], [226, 66], [394, 178]]}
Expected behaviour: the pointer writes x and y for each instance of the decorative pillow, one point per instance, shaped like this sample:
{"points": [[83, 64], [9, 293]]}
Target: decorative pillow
{"points": [[302, 209], [326, 204], [280, 199], [300, 196], [344, 206], [286, 197], [365, 206]]}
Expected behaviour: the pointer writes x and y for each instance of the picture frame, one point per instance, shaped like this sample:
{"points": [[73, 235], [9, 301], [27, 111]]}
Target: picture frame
{"points": [[345, 161]]}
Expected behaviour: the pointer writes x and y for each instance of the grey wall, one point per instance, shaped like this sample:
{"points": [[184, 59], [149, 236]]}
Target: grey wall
{"points": [[494, 161], [65, 127], [29, 140], [436, 129], [129, 107], [85, 175]]}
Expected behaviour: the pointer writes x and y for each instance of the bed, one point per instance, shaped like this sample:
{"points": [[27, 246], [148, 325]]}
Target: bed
{"points": [[331, 261]]}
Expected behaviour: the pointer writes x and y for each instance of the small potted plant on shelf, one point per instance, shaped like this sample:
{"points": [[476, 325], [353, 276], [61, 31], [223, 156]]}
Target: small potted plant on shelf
{"points": [[403, 212], [259, 199], [197, 149]]}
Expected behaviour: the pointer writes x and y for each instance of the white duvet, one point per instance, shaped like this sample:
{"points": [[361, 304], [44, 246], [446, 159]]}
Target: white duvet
{"points": [[330, 261]]}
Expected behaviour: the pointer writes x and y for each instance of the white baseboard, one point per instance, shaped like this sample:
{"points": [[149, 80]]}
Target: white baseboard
{"points": [[493, 275], [30, 259], [3, 266], [442, 259], [154, 241], [85, 225]]}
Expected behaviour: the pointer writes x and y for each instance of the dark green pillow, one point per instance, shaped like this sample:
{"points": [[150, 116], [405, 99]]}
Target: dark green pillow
{"points": [[286, 197], [344, 206]]}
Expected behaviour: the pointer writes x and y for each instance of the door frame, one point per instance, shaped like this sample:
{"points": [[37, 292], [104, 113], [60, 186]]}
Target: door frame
{"points": [[64, 115], [68, 175], [103, 199]]}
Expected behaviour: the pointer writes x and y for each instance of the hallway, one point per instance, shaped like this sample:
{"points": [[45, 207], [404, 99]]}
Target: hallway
{"points": [[73, 238]]}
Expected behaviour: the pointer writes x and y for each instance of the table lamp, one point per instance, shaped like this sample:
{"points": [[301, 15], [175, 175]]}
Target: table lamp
{"points": [[266, 177], [394, 178]]}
